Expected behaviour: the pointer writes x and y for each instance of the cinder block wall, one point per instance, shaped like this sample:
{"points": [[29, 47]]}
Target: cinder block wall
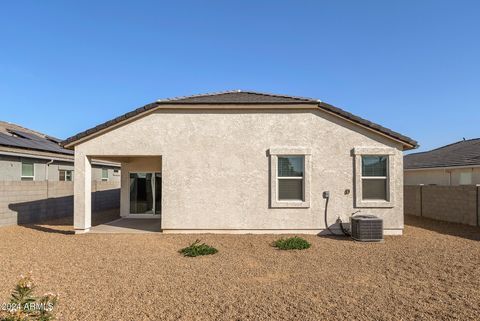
{"points": [[458, 204], [27, 202], [25, 197], [105, 195], [412, 200]]}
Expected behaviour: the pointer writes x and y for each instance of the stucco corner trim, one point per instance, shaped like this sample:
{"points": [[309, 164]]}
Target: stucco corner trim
{"points": [[358, 152], [288, 151]]}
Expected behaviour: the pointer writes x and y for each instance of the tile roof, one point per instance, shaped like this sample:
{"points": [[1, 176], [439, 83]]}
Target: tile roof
{"points": [[239, 97], [462, 153], [12, 135]]}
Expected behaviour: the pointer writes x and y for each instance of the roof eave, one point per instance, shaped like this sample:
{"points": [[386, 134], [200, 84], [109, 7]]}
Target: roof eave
{"points": [[406, 142], [70, 142], [441, 167]]}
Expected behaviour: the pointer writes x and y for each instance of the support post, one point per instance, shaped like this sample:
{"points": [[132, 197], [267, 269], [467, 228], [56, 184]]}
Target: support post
{"points": [[82, 189]]}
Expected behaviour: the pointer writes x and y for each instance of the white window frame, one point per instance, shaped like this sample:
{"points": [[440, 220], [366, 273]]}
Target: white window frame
{"points": [[104, 179], [24, 176], [65, 170], [387, 187], [465, 178], [274, 153], [390, 178]]}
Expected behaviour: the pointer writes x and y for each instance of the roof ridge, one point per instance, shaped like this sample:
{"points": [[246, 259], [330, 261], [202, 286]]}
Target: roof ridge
{"points": [[279, 95], [280, 100], [197, 95], [237, 91], [24, 128], [449, 145]]}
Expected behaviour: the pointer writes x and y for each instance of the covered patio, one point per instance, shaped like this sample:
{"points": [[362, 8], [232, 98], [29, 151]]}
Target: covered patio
{"points": [[140, 195], [128, 225]]}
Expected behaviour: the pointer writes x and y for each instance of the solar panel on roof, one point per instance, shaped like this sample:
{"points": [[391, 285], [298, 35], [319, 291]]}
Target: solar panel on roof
{"points": [[37, 144], [53, 139], [24, 134], [5, 139]]}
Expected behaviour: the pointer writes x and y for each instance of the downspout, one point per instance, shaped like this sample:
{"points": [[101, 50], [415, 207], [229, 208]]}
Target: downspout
{"points": [[46, 173], [46, 170]]}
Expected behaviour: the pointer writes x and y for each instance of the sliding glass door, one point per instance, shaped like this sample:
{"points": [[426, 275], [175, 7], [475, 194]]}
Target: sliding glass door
{"points": [[145, 193]]}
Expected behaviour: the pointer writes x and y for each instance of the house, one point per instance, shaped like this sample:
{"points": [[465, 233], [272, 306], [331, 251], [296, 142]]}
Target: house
{"points": [[453, 164], [28, 155], [245, 162], [36, 178]]}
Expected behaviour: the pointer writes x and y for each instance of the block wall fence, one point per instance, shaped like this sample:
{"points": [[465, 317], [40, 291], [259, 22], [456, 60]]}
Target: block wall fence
{"points": [[31, 202], [457, 204]]}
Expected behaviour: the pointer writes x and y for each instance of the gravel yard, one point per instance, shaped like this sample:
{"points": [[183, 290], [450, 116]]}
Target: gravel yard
{"points": [[431, 273]]}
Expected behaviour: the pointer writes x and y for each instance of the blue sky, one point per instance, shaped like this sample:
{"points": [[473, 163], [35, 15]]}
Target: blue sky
{"points": [[412, 66]]}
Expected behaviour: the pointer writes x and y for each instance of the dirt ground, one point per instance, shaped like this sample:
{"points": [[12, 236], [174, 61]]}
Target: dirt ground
{"points": [[431, 273]]}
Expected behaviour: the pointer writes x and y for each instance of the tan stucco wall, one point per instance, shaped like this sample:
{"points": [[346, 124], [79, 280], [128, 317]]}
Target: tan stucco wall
{"points": [[441, 176], [215, 167]]}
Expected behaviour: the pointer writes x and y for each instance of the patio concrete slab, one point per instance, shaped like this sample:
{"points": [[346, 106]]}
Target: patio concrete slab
{"points": [[128, 225]]}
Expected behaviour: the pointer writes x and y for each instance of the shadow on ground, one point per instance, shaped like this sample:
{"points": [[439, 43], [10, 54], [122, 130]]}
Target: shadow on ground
{"points": [[447, 228], [129, 225], [64, 225]]}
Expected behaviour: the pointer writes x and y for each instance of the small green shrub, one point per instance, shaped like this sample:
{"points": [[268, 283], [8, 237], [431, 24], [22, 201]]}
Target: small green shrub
{"points": [[292, 243], [25, 306], [196, 249]]}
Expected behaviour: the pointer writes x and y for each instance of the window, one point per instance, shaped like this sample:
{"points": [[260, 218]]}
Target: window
{"points": [[28, 171], [65, 175], [465, 178], [104, 174], [374, 177], [290, 177]]}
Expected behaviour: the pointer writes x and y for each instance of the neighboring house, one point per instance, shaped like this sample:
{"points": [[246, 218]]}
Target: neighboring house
{"points": [[454, 164], [245, 162], [27, 155]]}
